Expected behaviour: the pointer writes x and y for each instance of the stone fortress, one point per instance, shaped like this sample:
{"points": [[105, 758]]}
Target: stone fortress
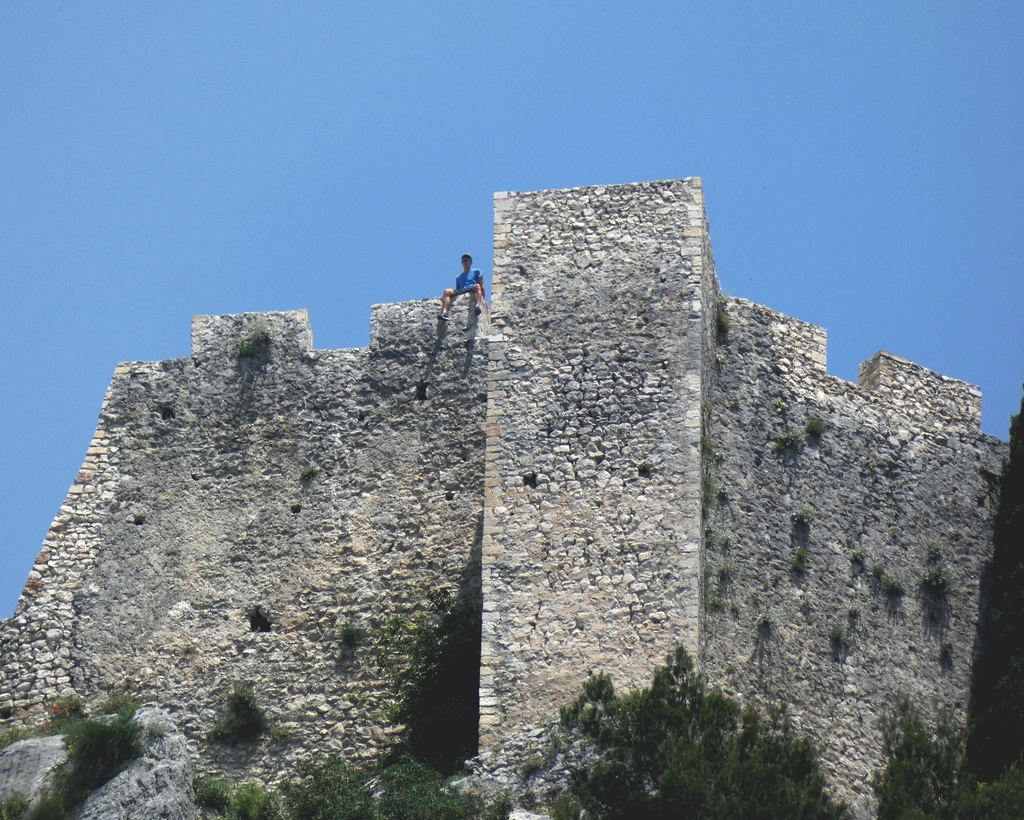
{"points": [[614, 460]]}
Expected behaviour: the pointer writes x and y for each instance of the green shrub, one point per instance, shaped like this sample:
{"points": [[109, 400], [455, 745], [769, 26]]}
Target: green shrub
{"points": [[722, 319], [927, 774], [799, 562], [792, 438], [13, 808], [97, 748], [717, 539], [893, 584], [709, 491], [814, 427], [251, 802], [256, 337], [333, 790], [675, 750], [241, 719], [409, 789], [309, 473], [878, 570], [330, 790], [351, 635], [803, 516], [860, 554], [837, 636], [213, 792], [938, 578], [531, 765]]}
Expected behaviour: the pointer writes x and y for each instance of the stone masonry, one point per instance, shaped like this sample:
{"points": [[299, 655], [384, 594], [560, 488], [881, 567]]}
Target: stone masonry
{"points": [[234, 513], [613, 461], [832, 615], [592, 517]]}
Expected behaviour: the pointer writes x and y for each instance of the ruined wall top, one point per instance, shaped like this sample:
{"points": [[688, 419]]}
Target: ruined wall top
{"points": [[929, 396], [220, 336]]}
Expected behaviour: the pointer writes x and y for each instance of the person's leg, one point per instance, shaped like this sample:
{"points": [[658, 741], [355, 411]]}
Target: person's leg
{"points": [[446, 299], [478, 296]]}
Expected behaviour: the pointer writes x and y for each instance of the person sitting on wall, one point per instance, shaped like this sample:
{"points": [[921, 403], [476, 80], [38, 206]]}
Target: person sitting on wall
{"points": [[469, 281]]}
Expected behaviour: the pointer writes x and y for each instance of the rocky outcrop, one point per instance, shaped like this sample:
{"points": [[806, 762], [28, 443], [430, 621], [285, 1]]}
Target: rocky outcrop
{"points": [[26, 767], [156, 786]]}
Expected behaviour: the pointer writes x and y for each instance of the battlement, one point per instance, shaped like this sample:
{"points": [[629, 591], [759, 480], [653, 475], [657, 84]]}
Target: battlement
{"points": [[221, 336], [931, 397]]}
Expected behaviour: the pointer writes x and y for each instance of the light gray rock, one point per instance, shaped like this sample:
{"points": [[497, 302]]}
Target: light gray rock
{"points": [[156, 786], [26, 766]]}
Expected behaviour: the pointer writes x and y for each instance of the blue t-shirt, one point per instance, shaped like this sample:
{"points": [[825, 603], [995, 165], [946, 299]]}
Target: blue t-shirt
{"points": [[468, 279]]}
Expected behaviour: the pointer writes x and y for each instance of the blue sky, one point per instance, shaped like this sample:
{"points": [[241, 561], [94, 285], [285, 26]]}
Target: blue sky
{"points": [[862, 166]]}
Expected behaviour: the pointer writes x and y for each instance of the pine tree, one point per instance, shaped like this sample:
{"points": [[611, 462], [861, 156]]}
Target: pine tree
{"points": [[997, 739]]}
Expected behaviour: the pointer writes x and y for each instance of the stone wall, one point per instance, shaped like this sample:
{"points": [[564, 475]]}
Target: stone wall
{"points": [[592, 506], [901, 477], [599, 460], [292, 490]]}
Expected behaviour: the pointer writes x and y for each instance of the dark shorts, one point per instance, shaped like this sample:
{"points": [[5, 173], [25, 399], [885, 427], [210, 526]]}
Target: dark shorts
{"points": [[460, 291]]}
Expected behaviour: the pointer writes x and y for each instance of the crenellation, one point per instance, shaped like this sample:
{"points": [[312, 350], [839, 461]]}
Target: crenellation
{"points": [[934, 399]]}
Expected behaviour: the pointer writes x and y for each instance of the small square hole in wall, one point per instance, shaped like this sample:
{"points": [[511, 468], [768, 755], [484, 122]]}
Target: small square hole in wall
{"points": [[644, 471], [421, 391], [166, 411], [258, 622], [530, 480]]}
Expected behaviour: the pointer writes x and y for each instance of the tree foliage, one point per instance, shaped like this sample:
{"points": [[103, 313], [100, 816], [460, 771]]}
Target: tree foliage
{"points": [[998, 692], [927, 776], [433, 661], [674, 750]]}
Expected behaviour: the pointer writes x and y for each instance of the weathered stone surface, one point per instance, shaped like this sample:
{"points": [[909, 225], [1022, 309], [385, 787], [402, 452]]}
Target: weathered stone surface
{"points": [[594, 519], [26, 767], [156, 786], [901, 467], [594, 461], [308, 488]]}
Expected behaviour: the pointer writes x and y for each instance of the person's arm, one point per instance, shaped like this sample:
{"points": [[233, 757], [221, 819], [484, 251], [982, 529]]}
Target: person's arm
{"points": [[483, 287]]}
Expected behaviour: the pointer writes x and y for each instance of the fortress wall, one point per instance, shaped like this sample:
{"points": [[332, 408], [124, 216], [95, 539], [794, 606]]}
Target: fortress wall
{"points": [[592, 504], [199, 513], [930, 398], [889, 476], [549, 458]]}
